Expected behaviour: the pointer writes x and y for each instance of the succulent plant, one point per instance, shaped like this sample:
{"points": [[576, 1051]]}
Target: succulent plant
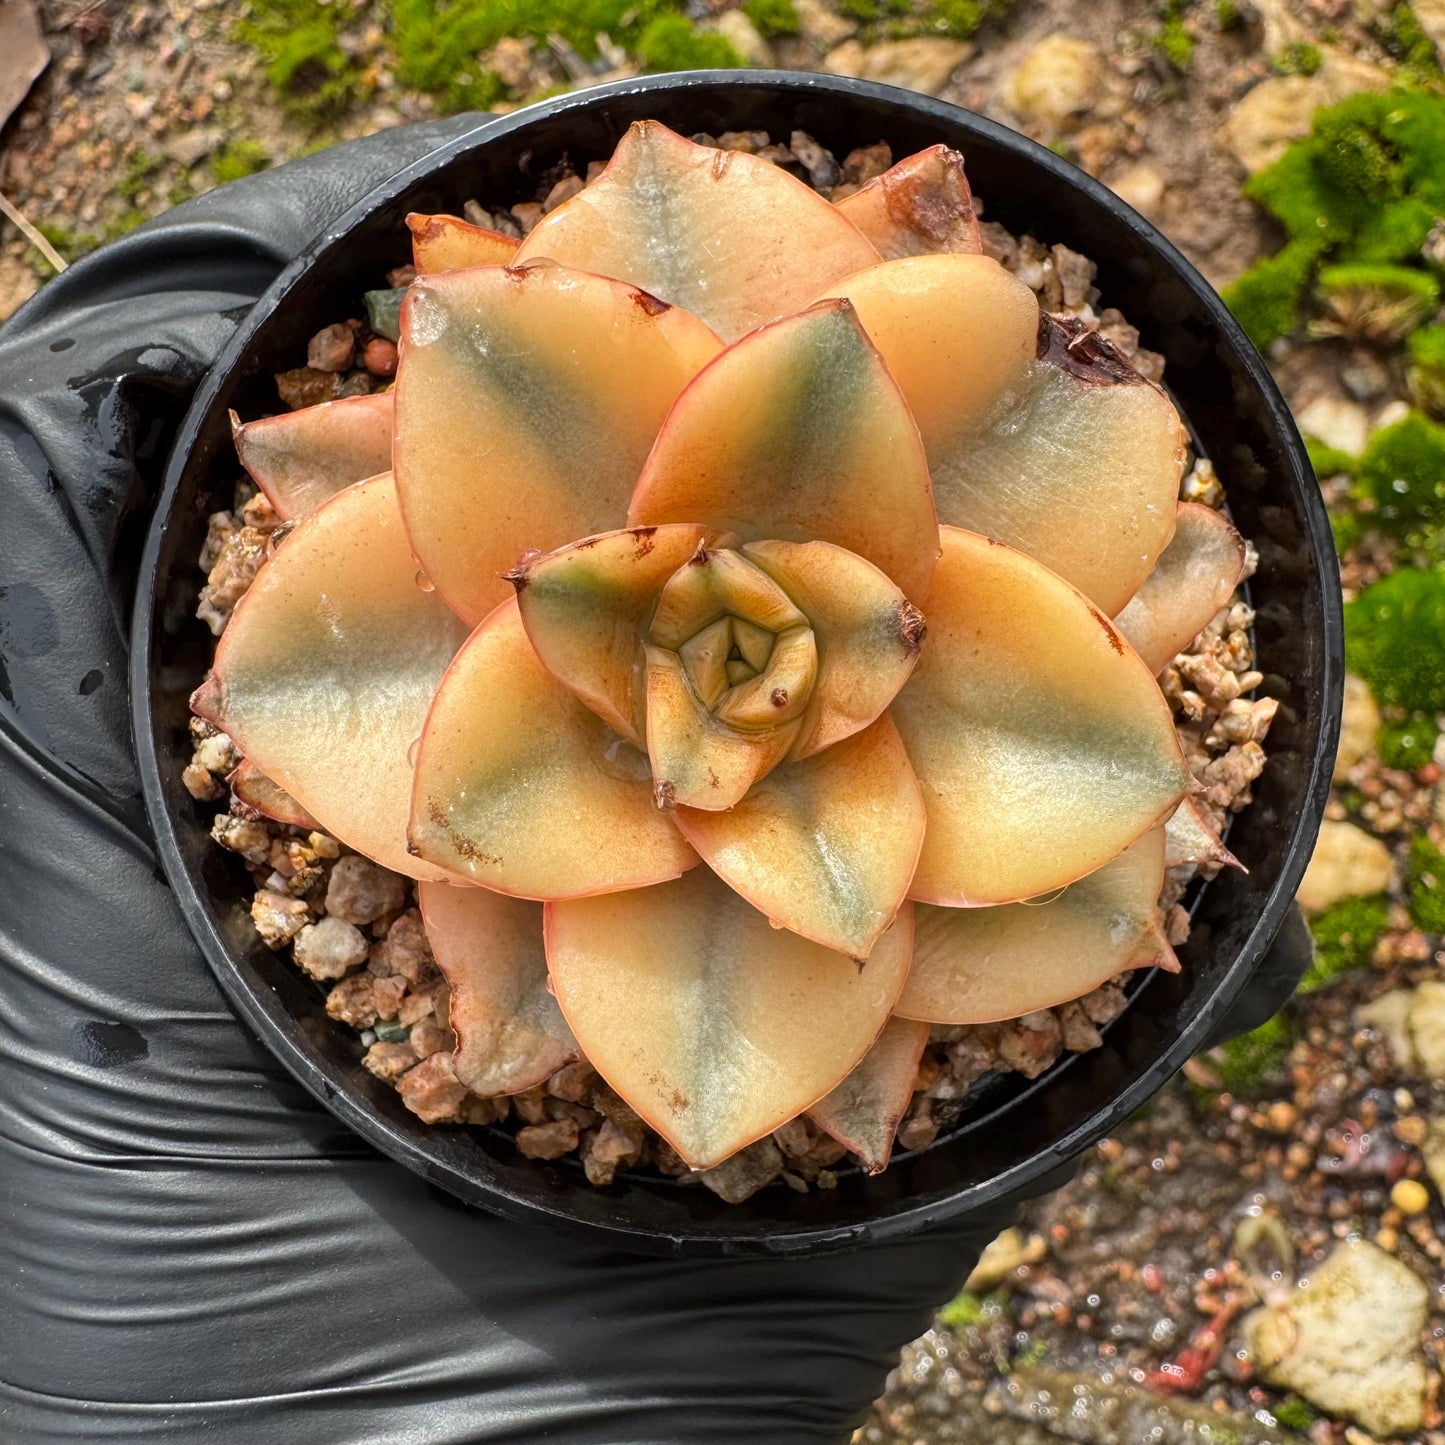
{"points": [[728, 652]]}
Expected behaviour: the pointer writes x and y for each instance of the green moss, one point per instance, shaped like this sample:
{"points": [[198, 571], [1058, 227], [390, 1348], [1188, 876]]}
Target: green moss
{"points": [[300, 43], [1293, 192], [141, 170], [1345, 935], [1407, 745], [1254, 1060], [1426, 872], [71, 244], [1411, 45], [1402, 477], [966, 1309], [1394, 232], [1267, 298], [1330, 461], [237, 159], [1427, 369], [1293, 1414], [670, 43], [1300, 58], [962, 18], [1174, 43], [1393, 633], [772, 17]]}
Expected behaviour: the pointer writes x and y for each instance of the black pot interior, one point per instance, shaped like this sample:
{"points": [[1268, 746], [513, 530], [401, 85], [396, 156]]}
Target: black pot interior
{"points": [[1010, 1132]]}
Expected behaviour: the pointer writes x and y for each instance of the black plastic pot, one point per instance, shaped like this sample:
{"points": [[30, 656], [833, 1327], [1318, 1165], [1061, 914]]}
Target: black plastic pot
{"points": [[1013, 1132]]}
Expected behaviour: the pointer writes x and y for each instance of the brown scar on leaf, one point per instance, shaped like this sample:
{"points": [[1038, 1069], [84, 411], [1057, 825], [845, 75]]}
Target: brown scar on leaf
{"points": [[720, 163], [1115, 641], [463, 845], [1071, 345], [713, 781], [649, 304], [912, 629], [675, 1096], [664, 795], [643, 543]]}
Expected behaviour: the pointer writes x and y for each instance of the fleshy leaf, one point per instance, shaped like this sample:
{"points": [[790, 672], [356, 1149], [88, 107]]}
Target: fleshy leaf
{"points": [[1191, 838], [732, 238], [862, 1113], [799, 433], [447, 243], [523, 788], [257, 791], [713, 1025], [586, 609], [1193, 578], [1043, 744], [326, 669], [301, 458], [868, 634], [527, 398], [825, 847], [922, 205], [977, 965], [697, 761], [1042, 437], [510, 1032]]}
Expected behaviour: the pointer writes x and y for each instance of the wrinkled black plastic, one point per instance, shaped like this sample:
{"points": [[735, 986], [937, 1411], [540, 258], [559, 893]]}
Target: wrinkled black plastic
{"points": [[1015, 1132]]}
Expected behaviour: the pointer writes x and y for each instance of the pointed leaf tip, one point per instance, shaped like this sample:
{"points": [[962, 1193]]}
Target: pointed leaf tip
{"points": [[798, 432], [301, 459], [979, 965], [734, 239]]}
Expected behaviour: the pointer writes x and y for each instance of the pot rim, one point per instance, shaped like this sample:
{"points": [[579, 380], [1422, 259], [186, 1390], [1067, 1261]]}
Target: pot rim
{"points": [[787, 1239]]}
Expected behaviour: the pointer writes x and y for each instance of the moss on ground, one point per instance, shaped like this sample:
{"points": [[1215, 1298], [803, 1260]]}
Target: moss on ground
{"points": [[772, 18], [1393, 633], [1172, 39], [1345, 935], [238, 159], [1364, 188], [1426, 871], [1254, 1061]]}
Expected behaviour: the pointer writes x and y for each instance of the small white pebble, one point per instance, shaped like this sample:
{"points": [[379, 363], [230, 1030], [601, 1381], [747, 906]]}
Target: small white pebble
{"points": [[329, 948]]}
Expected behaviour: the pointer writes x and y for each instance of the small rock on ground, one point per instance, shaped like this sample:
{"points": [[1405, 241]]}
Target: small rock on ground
{"points": [[1347, 863], [1348, 1340]]}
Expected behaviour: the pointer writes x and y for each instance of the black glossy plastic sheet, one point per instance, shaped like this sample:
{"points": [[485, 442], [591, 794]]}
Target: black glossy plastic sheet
{"points": [[192, 1249]]}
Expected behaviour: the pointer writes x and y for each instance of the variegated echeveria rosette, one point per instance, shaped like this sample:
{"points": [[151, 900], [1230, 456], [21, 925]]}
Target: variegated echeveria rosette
{"points": [[742, 618]]}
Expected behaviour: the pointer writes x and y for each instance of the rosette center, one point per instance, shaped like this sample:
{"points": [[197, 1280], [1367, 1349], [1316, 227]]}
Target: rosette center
{"points": [[747, 652]]}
